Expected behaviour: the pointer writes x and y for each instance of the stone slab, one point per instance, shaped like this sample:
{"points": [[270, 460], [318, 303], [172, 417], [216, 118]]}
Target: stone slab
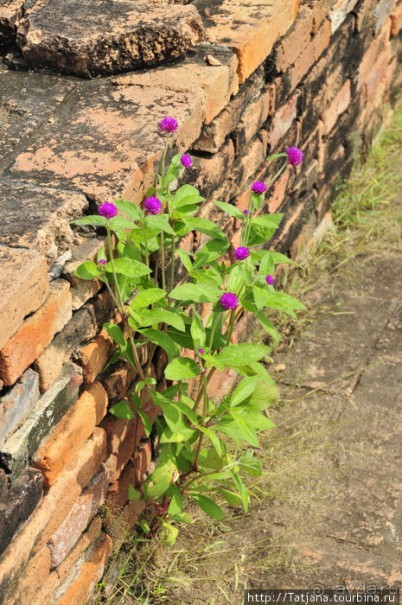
{"points": [[17, 403], [23, 285], [36, 333], [38, 217], [19, 504], [10, 13], [27, 101], [78, 518], [106, 142], [83, 249], [92, 37], [213, 83], [17, 451]]}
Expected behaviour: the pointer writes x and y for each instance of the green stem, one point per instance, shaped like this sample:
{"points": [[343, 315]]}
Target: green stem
{"points": [[163, 161], [204, 414], [145, 243], [278, 174], [231, 326], [172, 261], [162, 258], [111, 257]]}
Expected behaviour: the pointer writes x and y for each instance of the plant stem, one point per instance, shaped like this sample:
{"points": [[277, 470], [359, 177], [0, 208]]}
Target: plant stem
{"points": [[278, 174], [204, 414], [145, 243], [111, 257], [162, 257], [135, 352], [172, 262]]}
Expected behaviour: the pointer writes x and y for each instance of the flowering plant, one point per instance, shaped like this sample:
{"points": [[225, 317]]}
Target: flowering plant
{"points": [[158, 288]]}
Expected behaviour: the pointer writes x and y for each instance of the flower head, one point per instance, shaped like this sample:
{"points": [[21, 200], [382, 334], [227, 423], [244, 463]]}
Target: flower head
{"points": [[186, 160], [241, 253], [229, 300], [168, 125], [107, 210], [153, 205], [295, 156], [102, 261], [246, 212], [270, 280], [258, 187], [200, 351]]}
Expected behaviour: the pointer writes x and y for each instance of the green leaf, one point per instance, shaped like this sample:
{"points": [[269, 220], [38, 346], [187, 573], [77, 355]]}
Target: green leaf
{"points": [[211, 251], [158, 315], [120, 223], [162, 340], [243, 491], [260, 293], [231, 498], [187, 411], [116, 333], [168, 533], [214, 439], [242, 354], [210, 507], [249, 434], [198, 332], [250, 464], [236, 279], [185, 259], [176, 504], [231, 210], [205, 226], [144, 526], [88, 270], [283, 302], [268, 326], [129, 267], [276, 156], [132, 493], [182, 368], [122, 410], [130, 209], [187, 195], [263, 228], [196, 293], [146, 421], [94, 220], [159, 222], [178, 435], [147, 297], [244, 389]]}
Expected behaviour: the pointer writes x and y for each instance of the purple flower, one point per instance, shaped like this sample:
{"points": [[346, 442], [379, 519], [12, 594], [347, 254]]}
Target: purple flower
{"points": [[295, 156], [168, 125], [270, 280], [229, 300], [102, 261], [246, 212], [241, 253], [258, 187], [153, 205], [200, 351], [186, 160], [108, 210]]}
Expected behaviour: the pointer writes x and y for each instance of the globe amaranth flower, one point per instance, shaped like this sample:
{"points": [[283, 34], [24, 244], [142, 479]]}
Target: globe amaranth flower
{"points": [[295, 156], [258, 187], [168, 125], [241, 253], [102, 261], [246, 212], [107, 210], [229, 300], [186, 160], [270, 280], [200, 351], [152, 205]]}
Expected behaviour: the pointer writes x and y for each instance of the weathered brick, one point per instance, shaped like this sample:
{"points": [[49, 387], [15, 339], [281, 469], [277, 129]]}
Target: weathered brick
{"points": [[52, 510], [95, 355], [379, 45], [10, 13], [283, 120], [213, 135], [206, 172], [50, 408], [117, 381], [36, 333], [214, 85], [278, 194], [253, 118], [18, 403], [68, 436], [17, 507], [24, 286], [396, 21], [83, 511], [382, 13], [252, 34], [36, 574], [296, 39], [132, 474], [120, 526], [82, 289], [339, 104], [89, 574], [339, 13]]}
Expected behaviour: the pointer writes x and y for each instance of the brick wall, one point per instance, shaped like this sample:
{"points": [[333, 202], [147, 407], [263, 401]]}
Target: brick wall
{"points": [[319, 74]]}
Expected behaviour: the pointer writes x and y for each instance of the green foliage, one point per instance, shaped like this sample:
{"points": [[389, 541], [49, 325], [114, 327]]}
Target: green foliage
{"points": [[157, 309]]}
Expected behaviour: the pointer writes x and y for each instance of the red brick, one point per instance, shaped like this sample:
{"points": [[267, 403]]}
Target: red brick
{"points": [[379, 46], [256, 114], [71, 433], [95, 355], [282, 121], [89, 574], [339, 12], [339, 104], [24, 285], [36, 333], [310, 54], [131, 475], [36, 574], [117, 382], [396, 21], [54, 507], [279, 193], [377, 80], [297, 38]]}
